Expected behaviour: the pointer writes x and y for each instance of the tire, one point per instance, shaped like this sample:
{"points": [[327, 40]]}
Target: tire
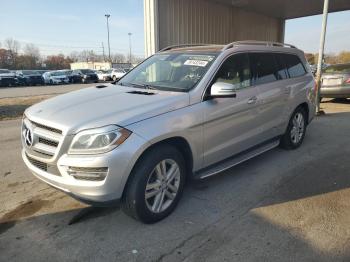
{"points": [[114, 78], [296, 130], [134, 202]]}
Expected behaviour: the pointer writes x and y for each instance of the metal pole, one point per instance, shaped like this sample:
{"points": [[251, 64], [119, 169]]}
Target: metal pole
{"points": [[320, 56], [103, 52], [109, 46], [130, 47]]}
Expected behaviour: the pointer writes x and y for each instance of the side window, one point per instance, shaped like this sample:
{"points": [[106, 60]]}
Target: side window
{"points": [[236, 71], [294, 65], [281, 66], [264, 68]]}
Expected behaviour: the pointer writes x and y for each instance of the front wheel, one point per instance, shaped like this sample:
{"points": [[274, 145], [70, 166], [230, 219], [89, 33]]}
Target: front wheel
{"points": [[296, 130], [155, 185]]}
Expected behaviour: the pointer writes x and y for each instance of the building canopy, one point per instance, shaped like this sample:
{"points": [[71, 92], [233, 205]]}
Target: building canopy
{"points": [[288, 9]]}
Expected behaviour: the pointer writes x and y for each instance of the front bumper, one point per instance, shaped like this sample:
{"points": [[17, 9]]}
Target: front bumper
{"points": [[335, 91], [118, 161]]}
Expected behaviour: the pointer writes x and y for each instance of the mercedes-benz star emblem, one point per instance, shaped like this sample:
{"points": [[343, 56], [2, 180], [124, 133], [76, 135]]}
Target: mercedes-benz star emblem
{"points": [[28, 137]]}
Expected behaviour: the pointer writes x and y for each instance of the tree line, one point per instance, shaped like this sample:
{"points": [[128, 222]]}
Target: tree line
{"points": [[340, 58], [16, 56]]}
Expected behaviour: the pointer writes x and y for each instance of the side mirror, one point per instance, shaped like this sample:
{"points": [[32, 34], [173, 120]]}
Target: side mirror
{"points": [[222, 90]]}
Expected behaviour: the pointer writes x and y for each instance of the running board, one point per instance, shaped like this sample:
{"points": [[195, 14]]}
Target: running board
{"points": [[235, 160]]}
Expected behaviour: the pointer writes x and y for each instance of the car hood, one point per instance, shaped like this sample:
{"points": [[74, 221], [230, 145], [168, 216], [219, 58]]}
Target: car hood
{"points": [[96, 107]]}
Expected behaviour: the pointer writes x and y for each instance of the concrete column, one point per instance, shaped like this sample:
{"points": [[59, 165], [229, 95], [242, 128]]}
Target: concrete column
{"points": [[151, 26]]}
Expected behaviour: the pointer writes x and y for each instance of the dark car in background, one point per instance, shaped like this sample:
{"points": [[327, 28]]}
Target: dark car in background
{"points": [[87, 75], [336, 81], [74, 78], [29, 78], [7, 78]]}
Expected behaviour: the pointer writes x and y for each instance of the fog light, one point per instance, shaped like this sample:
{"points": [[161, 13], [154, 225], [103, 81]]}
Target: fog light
{"points": [[88, 173]]}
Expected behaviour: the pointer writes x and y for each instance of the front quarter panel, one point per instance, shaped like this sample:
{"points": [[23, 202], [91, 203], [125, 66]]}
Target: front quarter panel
{"points": [[185, 123]]}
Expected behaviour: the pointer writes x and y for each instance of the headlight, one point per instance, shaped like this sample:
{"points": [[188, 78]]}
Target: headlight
{"points": [[99, 140]]}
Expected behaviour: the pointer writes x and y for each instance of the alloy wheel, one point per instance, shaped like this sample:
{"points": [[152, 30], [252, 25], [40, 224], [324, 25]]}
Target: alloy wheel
{"points": [[298, 128], [162, 186]]}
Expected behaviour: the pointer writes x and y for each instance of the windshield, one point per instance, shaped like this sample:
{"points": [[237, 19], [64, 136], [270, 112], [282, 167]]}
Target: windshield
{"points": [[338, 69], [4, 71], [58, 73], [30, 73], [174, 72], [87, 71]]}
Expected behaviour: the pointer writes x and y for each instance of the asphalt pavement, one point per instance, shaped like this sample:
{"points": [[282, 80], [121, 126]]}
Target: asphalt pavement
{"points": [[279, 206]]}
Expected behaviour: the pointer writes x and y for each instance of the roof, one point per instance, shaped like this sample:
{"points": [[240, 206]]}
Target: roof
{"points": [[219, 48], [287, 9]]}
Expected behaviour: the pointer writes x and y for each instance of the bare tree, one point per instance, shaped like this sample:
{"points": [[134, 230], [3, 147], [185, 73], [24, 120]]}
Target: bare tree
{"points": [[118, 58], [12, 45], [32, 51]]}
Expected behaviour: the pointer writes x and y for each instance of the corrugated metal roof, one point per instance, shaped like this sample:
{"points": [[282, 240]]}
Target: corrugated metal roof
{"points": [[287, 9]]}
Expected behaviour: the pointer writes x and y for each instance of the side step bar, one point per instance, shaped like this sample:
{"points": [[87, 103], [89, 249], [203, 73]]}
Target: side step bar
{"points": [[235, 160]]}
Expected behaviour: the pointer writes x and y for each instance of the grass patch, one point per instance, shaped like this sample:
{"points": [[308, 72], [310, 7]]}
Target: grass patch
{"points": [[12, 108]]}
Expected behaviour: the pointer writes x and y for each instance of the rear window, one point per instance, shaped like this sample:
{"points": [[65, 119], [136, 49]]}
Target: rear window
{"points": [[264, 68], [294, 66], [337, 69]]}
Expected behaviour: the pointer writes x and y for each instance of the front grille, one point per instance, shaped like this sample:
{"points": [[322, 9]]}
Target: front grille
{"points": [[48, 142], [45, 139], [47, 128], [37, 163]]}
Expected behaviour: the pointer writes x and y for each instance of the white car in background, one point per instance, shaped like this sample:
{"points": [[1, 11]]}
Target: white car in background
{"points": [[118, 73], [56, 77], [104, 75]]}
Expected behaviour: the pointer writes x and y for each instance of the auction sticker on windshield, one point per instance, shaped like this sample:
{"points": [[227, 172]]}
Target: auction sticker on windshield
{"points": [[196, 63]]}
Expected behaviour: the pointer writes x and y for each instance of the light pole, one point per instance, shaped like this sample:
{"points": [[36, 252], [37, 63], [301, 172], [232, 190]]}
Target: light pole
{"points": [[129, 34], [320, 57], [109, 46]]}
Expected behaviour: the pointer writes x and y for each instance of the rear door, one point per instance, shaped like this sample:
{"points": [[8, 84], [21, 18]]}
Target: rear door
{"points": [[230, 123], [269, 73]]}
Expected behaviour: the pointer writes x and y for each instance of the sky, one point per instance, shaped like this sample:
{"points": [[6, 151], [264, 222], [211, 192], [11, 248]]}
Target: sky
{"points": [[63, 26], [305, 32], [67, 25]]}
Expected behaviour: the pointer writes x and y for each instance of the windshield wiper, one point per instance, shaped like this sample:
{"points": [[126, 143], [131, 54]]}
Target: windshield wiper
{"points": [[144, 86]]}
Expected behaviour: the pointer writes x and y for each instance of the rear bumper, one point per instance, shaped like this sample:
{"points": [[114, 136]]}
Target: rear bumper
{"points": [[335, 91]]}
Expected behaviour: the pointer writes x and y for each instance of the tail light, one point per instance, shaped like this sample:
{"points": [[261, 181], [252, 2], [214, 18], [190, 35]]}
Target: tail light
{"points": [[347, 81]]}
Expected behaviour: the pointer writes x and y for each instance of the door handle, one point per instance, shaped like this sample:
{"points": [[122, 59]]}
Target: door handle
{"points": [[252, 100]]}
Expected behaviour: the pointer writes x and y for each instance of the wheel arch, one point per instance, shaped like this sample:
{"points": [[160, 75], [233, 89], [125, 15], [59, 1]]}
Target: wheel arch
{"points": [[180, 143], [305, 106]]}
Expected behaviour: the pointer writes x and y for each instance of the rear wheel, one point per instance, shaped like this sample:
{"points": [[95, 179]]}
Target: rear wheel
{"points": [[156, 185], [295, 133]]}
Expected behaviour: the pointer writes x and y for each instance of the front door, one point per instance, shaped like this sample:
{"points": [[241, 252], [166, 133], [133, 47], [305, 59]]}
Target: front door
{"points": [[230, 123]]}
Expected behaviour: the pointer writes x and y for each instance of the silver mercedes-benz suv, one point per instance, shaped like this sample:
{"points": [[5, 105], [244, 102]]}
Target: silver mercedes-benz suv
{"points": [[185, 112]]}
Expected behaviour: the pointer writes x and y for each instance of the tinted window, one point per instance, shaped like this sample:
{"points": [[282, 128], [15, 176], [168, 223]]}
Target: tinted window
{"points": [[281, 66], [294, 65], [236, 71], [264, 68]]}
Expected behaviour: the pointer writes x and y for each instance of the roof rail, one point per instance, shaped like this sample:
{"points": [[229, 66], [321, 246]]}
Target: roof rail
{"points": [[182, 45], [253, 42]]}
